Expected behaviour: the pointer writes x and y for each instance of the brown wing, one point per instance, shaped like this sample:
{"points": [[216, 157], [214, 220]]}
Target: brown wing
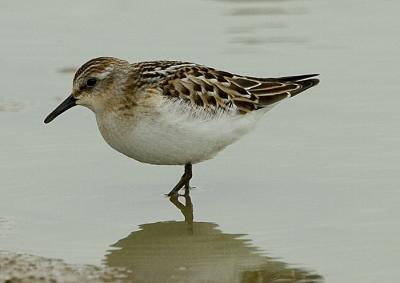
{"points": [[213, 89], [272, 90]]}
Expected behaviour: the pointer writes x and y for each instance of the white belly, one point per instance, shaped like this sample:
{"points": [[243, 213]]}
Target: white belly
{"points": [[173, 136]]}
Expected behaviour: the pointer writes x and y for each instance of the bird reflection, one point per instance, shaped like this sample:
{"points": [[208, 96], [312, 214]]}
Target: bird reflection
{"points": [[187, 251], [186, 209]]}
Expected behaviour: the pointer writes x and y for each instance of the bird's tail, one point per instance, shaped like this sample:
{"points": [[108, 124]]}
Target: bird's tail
{"points": [[303, 81]]}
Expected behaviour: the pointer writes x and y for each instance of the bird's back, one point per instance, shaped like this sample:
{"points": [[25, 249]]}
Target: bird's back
{"points": [[214, 90]]}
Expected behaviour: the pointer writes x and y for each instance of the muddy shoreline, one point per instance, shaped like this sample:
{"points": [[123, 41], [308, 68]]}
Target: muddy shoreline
{"points": [[23, 268]]}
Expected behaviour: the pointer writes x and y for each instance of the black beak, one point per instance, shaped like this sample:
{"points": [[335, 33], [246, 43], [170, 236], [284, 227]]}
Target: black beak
{"points": [[69, 102]]}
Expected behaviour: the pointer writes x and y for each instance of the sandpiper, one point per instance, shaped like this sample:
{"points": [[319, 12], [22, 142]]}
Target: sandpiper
{"points": [[173, 112]]}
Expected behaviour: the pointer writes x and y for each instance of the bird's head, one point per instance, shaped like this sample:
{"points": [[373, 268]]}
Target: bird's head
{"points": [[94, 84]]}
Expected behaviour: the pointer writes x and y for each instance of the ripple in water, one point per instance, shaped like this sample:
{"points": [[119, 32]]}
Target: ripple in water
{"points": [[10, 105]]}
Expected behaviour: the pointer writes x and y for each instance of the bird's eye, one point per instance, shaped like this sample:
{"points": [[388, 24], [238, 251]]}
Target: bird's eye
{"points": [[91, 82]]}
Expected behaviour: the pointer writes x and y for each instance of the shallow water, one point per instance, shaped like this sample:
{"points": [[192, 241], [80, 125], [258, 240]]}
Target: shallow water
{"points": [[313, 190]]}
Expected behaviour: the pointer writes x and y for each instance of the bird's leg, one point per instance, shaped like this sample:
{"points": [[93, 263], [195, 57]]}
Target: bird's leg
{"points": [[184, 181]]}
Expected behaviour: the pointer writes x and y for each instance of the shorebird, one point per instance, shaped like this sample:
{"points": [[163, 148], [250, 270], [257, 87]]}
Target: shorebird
{"points": [[173, 112]]}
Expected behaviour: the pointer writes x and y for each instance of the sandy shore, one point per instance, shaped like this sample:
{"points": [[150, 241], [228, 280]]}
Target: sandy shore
{"points": [[21, 268]]}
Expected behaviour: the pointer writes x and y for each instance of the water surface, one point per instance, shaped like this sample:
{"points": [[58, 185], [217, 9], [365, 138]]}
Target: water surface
{"points": [[313, 190]]}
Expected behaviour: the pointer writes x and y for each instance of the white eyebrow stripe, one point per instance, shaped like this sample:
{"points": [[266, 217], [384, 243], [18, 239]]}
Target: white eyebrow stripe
{"points": [[105, 73]]}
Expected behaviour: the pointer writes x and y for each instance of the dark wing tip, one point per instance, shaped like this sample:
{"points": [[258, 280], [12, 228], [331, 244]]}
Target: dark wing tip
{"points": [[296, 78], [305, 84]]}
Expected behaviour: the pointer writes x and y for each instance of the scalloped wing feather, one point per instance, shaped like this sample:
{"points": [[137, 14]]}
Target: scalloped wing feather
{"points": [[212, 89], [215, 90]]}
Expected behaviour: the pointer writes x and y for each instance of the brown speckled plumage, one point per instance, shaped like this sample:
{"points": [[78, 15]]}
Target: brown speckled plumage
{"points": [[213, 89], [203, 86]]}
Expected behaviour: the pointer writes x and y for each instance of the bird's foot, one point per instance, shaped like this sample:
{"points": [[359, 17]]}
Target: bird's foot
{"points": [[175, 191]]}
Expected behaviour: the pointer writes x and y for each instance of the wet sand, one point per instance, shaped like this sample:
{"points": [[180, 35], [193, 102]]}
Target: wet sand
{"points": [[314, 188], [23, 268]]}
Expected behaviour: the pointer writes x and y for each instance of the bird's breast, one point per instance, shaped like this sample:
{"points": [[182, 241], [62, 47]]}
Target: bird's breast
{"points": [[172, 137]]}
